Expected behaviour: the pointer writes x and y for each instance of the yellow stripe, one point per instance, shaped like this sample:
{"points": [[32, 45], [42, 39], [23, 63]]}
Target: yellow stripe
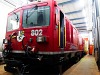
{"points": [[13, 37], [65, 34], [59, 33]]}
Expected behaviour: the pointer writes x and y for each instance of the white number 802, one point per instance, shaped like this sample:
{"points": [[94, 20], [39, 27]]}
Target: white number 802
{"points": [[36, 32]]}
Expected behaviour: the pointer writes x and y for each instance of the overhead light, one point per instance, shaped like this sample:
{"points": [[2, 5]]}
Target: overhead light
{"points": [[35, 0], [31, 0], [84, 12], [39, 0], [84, 34], [80, 4]]}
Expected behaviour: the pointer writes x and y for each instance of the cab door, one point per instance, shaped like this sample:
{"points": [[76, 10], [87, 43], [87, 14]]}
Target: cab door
{"points": [[61, 30]]}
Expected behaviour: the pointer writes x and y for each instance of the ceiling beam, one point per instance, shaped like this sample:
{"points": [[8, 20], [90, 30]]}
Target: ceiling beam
{"points": [[77, 18], [73, 12], [82, 30], [79, 23], [10, 3], [67, 2], [81, 27]]}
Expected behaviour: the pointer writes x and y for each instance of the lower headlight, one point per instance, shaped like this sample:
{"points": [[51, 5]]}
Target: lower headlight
{"points": [[5, 41], [41, 39]]}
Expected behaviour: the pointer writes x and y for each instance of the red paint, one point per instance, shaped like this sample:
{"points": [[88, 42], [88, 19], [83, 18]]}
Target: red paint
{"points": [[91, 48], [73, 41]]}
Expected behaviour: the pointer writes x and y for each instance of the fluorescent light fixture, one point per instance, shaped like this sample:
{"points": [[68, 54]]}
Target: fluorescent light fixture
{"points": [[84, 35], [80, 4], [84, 12], [85, 19]]}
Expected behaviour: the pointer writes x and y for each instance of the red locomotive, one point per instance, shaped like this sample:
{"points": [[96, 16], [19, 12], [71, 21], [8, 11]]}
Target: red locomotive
{"points": [[40, 33]]}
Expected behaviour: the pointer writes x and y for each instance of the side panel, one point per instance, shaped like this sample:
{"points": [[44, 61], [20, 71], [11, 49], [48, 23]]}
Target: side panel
{"points": [[71, 33], [68, 35], [15, 45], [75, 39], [81, 43], [56, 29]]}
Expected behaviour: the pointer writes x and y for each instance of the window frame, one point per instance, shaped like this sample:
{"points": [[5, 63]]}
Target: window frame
{"points": [[36, 25], [8, 21]]}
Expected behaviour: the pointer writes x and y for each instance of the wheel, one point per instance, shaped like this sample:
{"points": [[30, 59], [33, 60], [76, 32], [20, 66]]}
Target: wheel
{"points": [[9, 69], [60, 69]]}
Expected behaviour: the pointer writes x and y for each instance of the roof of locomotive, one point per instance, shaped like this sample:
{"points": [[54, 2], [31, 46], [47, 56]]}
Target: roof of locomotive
{"points": [[31, 4]]}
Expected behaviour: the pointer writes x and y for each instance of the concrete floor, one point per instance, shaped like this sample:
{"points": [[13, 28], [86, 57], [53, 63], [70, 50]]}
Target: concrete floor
{"points": [[86, 66], [2, 72]]}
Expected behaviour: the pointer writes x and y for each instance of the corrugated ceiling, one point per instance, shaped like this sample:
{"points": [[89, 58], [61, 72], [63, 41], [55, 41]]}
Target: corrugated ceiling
{"points": [[78, 11]]}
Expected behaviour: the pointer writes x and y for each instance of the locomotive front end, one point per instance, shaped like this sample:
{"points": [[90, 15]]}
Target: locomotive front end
{"points": [[29, 35]]}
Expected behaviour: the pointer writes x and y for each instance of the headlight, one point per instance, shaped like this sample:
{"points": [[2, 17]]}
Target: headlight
{"points": [[41, 39], [5, 41]]}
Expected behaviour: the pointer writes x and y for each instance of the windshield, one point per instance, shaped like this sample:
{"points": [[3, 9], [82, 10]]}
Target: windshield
{"points": [[13, 21], [37, 16]]}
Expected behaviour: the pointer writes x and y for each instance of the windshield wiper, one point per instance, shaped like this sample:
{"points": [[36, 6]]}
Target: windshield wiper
{"points": [[17, 19], [28, 15]]}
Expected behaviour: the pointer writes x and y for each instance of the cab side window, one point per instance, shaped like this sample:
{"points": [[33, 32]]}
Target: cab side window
{"points": [[13, 21]]}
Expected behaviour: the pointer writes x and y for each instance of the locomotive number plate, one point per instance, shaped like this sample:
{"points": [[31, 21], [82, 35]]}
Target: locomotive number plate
{"points": [[36, 32]]}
